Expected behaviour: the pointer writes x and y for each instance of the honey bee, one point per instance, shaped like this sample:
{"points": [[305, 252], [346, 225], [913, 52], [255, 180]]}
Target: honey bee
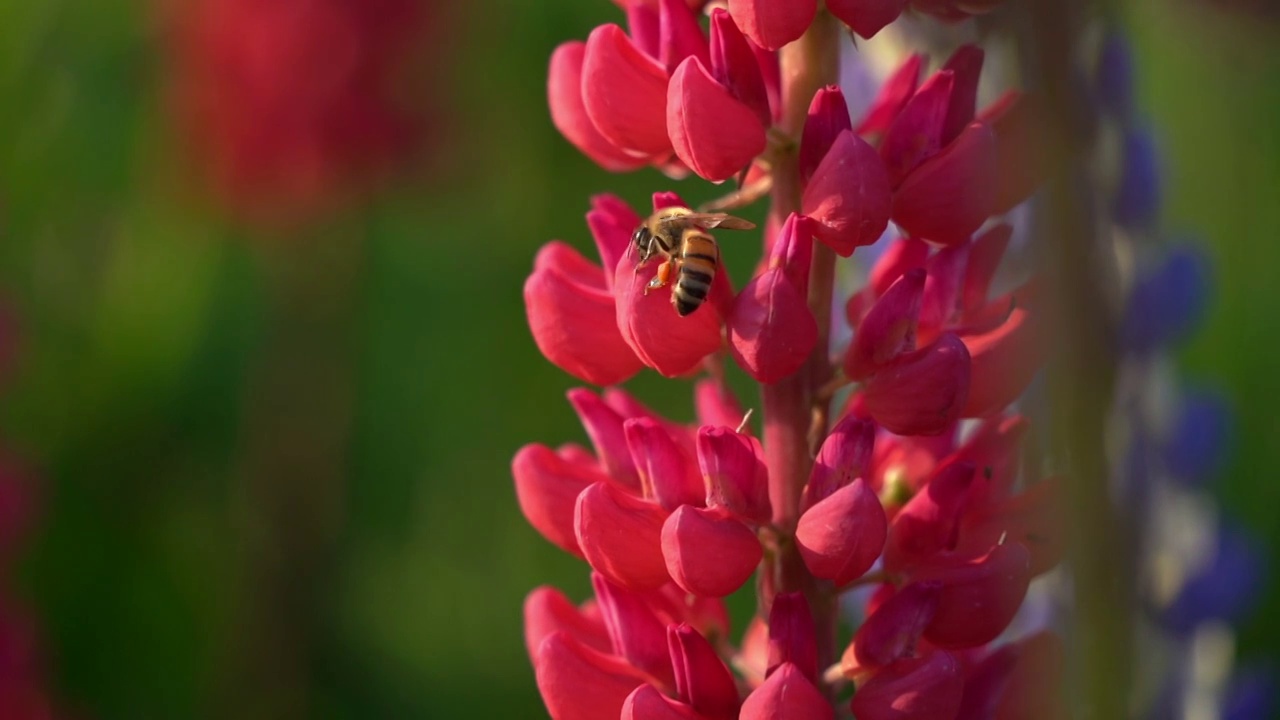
{"points": [[679, 235]]}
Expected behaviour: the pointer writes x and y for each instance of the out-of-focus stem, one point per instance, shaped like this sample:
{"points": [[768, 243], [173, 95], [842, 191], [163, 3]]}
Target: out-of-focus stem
{"points": [[289, 496], [807, 65], [1076, 263]]}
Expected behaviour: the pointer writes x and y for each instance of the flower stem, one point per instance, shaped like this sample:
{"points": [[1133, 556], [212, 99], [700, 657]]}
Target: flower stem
{"points": [[1081, 370], [793, 416]]}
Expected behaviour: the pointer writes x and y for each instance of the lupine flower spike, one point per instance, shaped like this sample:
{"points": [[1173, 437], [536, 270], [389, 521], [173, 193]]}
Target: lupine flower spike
{"points": [[909, 503]]}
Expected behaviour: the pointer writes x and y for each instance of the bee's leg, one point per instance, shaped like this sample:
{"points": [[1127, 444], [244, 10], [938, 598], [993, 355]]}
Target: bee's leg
{"points": [[660, 279]]}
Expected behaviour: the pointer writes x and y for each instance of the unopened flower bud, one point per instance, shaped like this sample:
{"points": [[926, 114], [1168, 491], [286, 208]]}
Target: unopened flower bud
{"points": [[791, 635], [709, 553], [951, 194], [771, 329], [916, 133], [930, 522], [733, 472], [845, 456], [773, 23], [889, 328], [786, 695], [840, 537], [893, 630], [923, 392], [979, 597], [894, 94], [848, 199], [702, 680], [866, 17], [828, 117]]}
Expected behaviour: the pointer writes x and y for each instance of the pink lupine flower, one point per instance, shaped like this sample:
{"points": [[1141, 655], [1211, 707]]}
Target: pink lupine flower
{"points": [[771, 329], [663, 95], [917, 688], [672, 517]]}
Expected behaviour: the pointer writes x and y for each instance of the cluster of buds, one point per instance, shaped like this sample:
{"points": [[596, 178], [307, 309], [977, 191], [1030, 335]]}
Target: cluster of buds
{"points": [[288, 107], [916, 494], [1200, 571]]}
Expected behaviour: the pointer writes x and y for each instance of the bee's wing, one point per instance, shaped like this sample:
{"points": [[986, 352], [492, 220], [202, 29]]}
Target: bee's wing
{"points": [[711, 220]]}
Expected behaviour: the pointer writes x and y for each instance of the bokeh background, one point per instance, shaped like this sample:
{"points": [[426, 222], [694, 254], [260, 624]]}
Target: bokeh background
{"points": [[270, 438]]}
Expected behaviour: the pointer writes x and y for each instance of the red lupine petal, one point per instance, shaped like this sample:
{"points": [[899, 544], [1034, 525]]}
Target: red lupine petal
{"points": [[635, 631], [950, 195], [889, 328], [624, 93], [663, 340], [993, 447], [985, 254], [621, 536], [786, 695], [647, 703], [1032, 518], [1021, 154], [713, 132], [916, 134], [941, 299], [708, 552], [828, 117], [866, 17], [903, 255], [1005, 360], [547, 488], [791, 635], [702, 679], [735, 66], [930, 522], [771, 71], [770, 23], [921, 393], [578, 683], [848, 198], [985, 683], [629, 408], [611, 221], [571, 322], [680, 35], [924, 688], [667, 474], [547, 610], [897, 90], [966, 63], [845, 456], [771, 329], [569, 115], [841, 536], [893, 630], [979, 597], [715, 404], [644, 28], [604, 426], [734, 473]]}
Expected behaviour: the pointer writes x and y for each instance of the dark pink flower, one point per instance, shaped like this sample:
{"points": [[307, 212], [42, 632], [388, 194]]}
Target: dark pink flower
{"points": [[709, 552], [580, 683], [866, 17], [771, 329], [828, 117], [841, 536], [624, 93], [713, 132], [547, 610], [930, 523], [702, 680], [922, 392], [621, 536], [848, 201], [791, 635], [773, 23], [786, 695], [845, 456], [889, 328], [734, 474], [893, 630], [647, 703], [921, 688], [547, 487], [979, 596]]}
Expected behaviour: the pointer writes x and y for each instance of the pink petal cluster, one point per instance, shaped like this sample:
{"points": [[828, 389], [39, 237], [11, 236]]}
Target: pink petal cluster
{"points": [[936, 514], [664, 93]]}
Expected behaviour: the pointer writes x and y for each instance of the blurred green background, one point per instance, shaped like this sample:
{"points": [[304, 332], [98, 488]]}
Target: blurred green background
{"points": [[274, 472]]}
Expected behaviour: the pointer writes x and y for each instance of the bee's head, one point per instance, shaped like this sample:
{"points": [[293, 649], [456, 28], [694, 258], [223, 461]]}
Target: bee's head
{"points": [[640, 238]]}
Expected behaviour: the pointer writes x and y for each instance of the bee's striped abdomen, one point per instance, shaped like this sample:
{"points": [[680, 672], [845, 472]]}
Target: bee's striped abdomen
{"points": [[698, 259]]}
